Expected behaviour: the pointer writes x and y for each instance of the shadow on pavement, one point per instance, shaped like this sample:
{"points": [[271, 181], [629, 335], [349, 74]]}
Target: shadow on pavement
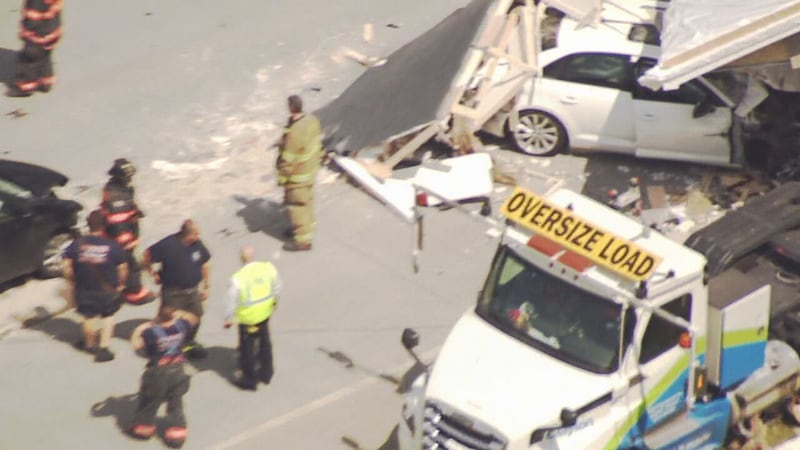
{"points": [[263, 215], [61, 329], [124, 329], [391, 441], [348, 363], [221, 360], [122, 408], [8, 60]]}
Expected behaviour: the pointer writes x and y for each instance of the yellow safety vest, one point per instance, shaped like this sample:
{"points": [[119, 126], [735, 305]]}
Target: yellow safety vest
{"points": [[256, 292]]}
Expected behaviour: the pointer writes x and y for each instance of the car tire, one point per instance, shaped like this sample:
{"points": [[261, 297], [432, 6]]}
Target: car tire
{"points": [[538, 133], [53, 257]]}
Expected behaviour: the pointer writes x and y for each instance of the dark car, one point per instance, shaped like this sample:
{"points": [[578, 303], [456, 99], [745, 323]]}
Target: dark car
{"points": [[35, 225]]}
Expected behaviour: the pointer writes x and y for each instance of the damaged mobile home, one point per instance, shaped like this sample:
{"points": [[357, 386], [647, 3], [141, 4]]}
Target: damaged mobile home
{"points": [[646, 78]]}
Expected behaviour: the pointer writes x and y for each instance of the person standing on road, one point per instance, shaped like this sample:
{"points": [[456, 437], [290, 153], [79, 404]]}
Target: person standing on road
{"points": [[180, 264], [95, 269], [299, 159], [164, 379], [122, 224], [40, 30], [252, 297]]}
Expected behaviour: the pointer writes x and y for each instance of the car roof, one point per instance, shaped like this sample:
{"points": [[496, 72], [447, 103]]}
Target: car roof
{"points": [[37, 179], [609, 36]]}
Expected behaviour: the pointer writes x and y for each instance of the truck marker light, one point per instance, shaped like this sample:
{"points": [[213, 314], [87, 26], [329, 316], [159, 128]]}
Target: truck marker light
{"points": [[422, 199], [685, 341]]}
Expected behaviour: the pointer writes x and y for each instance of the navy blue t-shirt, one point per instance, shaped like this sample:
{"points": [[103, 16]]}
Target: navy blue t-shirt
{"points": [[181, 265], [160, 341], [102, 253]]}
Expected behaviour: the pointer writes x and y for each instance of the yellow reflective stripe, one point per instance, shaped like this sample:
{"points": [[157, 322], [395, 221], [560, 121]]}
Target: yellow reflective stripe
{"points": [[650, 397], [743, 337], [302, 177], [292, 157]]}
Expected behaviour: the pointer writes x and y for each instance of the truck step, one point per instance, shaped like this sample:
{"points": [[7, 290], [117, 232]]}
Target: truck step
{"points": [[740, 232]]}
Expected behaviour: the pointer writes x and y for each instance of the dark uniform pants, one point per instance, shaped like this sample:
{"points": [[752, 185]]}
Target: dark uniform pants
{"points": [[299, 200], [34, 67], [159, 385], [187, 300], [254, 342]]}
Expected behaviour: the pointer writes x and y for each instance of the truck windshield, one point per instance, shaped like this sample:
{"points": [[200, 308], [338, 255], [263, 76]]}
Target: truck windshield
{"points": [[556, 317]]}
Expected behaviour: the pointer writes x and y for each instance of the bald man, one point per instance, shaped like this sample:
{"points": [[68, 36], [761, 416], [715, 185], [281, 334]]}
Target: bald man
{"points": [[179, 263], [252, 297]]}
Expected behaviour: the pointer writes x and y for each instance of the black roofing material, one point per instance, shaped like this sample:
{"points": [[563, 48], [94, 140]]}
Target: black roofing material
{"points": [[741, 231], [408, 90]]}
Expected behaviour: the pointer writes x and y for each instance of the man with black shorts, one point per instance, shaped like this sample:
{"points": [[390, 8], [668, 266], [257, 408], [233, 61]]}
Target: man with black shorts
{"points": [[179, 263], [164, 379], [95, 269]]}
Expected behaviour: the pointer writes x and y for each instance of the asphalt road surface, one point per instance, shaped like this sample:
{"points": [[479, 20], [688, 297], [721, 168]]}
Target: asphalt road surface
{"points": [[193, 93]]}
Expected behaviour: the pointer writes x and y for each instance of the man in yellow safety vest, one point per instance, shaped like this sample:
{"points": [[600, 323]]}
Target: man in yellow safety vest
{"points": [[252, 297], [299, 159]]}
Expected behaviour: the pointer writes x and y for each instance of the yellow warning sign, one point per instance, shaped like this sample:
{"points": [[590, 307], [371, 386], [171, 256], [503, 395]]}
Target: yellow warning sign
{"points": [[582, 237]]}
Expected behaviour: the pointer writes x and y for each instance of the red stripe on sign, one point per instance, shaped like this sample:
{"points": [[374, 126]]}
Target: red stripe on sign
{"points": [[575, 261], [544, 245]]}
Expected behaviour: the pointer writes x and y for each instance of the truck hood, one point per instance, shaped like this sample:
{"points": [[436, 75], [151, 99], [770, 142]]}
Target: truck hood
{"points": [[506, 384], [37, 179]]}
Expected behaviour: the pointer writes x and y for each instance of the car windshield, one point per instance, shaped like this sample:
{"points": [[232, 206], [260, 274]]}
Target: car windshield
{"points": [[11, 189], [571, 324]]}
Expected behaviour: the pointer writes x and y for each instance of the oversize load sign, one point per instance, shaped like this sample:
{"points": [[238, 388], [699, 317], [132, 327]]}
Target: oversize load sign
{"points": [[580, 236]]}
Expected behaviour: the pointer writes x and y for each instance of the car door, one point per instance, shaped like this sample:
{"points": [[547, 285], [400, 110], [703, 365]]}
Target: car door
{"points": [[15, 260], [590, 93], [689, 123], [663, 366]]}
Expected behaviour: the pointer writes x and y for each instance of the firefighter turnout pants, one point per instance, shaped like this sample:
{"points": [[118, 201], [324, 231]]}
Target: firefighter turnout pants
{"points": [[299, 201], [158, 385], [34, 68]]}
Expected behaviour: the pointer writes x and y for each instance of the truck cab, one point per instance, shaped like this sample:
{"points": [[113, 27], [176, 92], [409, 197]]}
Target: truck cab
{"points": [[590, 337]]}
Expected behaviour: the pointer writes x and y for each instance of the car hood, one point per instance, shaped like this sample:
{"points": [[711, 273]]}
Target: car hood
{"points": [[37, 179], [509, 386]]}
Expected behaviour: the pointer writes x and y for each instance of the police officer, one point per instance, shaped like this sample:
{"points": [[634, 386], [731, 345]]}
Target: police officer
{"points": [[252, 297], [164, 379], [95, 268], [40, 30], [179, 263], [299, 159], [122, 219]]}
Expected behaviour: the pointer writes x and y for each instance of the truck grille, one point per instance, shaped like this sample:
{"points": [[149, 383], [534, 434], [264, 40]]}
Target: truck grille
{"points": [[451, 431]]}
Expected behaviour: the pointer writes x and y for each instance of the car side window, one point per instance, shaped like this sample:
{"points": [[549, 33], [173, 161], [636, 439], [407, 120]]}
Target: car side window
{"points": [[596, 69], [689, 93], [662, 335]]}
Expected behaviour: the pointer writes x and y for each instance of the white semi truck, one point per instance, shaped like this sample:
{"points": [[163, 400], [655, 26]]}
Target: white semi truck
{"points": [[593, 331]]}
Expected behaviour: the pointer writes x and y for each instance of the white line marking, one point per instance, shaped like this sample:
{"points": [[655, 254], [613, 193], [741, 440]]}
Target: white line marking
{"points": [[309, 407]]}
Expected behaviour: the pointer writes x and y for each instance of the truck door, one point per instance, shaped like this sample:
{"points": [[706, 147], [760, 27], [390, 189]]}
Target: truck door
{"points": [[689, 123], [664, 366]]}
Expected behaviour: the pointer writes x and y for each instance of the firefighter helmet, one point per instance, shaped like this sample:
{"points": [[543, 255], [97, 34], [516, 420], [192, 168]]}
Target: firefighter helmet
{"points": [[122, 168]]}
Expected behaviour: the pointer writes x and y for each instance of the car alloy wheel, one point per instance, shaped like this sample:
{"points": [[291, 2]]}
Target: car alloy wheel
{"points": [[52, 260], [539, 133]]}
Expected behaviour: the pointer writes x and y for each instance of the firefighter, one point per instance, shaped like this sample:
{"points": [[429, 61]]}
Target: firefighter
{"points": [[122, 219], [164, 379], [252, 297], [40, 30], [299, 159]]}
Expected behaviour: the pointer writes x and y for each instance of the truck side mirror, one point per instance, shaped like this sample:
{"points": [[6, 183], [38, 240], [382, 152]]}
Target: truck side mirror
{"points": [[410, 339], [568, 417]]}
